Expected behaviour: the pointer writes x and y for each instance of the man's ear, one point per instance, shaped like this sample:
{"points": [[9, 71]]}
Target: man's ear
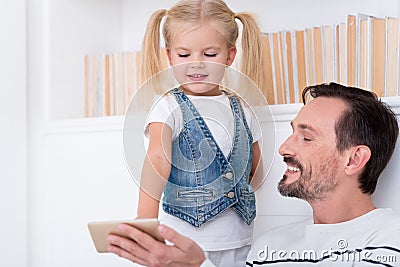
{"points": [[358, 157]]}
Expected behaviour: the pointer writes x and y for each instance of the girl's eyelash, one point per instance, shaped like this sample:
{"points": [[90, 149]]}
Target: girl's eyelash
{"points": [[206, 54]]}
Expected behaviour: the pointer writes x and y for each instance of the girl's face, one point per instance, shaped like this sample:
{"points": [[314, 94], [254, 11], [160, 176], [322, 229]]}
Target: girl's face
{"points": [[199, 58]]}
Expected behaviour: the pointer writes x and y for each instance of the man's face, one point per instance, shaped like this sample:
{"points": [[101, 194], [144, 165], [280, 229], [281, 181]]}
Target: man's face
{"points": [[313, 162]]}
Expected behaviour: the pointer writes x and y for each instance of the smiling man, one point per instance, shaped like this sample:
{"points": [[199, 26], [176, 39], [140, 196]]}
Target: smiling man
{"points": [[342, 140]]}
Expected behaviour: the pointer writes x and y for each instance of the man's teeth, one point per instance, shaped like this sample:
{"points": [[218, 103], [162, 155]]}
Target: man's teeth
{"points": [[293, 169]]}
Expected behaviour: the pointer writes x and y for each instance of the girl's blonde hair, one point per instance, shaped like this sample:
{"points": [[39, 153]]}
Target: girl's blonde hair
{"points": [[189, 14]]}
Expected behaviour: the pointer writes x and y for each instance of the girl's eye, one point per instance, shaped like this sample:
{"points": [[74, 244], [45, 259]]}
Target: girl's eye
{"points": [[210, 55], [183, 55]]}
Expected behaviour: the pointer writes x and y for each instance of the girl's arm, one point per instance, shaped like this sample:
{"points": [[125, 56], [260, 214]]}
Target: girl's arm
{"points": [[156, 169], [256, 173]]}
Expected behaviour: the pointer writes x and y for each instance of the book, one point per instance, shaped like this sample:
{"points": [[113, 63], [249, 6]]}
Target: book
{"points": [[301, 61], [102, 86], [113, 101], [329, 53], [126, 77], [337, 53], [119, 84], [392, 56], [270, 83], [295, 70], [279, 83], [290, 70], [284, 71], [351, 50], [318, 55], [107, 93], [96, 85], [364, 52], [378, 55], [87, 65], [342, 41], [309, 56], [110, 82]]}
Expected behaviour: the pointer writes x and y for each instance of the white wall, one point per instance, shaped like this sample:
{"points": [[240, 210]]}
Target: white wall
{"points": [[273, 15], [13, 134], [82, 178]]}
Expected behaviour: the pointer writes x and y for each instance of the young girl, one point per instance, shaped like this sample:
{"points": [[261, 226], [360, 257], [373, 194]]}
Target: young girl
{"points": [[203, 140]]}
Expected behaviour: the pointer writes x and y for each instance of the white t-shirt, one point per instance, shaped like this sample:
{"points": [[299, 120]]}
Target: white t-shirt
{"points": [[227, 230], [368, 240]]}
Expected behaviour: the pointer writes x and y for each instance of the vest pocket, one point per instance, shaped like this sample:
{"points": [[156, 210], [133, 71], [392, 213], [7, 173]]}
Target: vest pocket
{"points": [[191, 194]]}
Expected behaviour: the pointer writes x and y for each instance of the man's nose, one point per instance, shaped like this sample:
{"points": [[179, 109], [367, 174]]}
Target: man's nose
{"points": [[286, 148]]}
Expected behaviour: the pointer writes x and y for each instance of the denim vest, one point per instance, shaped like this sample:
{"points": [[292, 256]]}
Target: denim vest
{"points": [[203, 182]]}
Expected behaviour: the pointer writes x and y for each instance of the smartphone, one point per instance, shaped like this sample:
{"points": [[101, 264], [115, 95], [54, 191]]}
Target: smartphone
{"points": [[100, 230]]}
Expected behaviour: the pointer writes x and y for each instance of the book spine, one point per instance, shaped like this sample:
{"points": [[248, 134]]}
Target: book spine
{"points": [[351, 49], [378, 55]]}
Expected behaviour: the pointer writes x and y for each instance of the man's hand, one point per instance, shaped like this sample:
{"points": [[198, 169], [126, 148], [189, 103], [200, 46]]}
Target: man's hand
{"points": [[145, 250]]}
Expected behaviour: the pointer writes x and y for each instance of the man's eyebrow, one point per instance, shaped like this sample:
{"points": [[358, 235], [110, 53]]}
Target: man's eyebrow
{"points": [[304, 126]]}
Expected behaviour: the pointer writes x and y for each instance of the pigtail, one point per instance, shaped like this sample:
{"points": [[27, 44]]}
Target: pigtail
{"points": [[253, 63], [151, 52]]}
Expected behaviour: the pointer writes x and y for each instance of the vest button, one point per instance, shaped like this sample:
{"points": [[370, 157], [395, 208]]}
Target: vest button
{"points": [[231, 195], [229, 175]]}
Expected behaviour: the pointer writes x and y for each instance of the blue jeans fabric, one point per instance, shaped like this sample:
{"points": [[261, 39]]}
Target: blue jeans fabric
{"points": [[203, 182]]}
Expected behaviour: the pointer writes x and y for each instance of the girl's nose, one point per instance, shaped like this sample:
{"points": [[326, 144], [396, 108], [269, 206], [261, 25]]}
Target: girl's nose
{"points": [[197, 64]]}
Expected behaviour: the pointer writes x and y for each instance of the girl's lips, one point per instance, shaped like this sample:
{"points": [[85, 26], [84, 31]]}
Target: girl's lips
{"points": [[197, 77]]}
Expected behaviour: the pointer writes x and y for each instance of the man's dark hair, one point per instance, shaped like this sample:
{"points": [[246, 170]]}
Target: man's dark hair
{"points": [[367, 121]]}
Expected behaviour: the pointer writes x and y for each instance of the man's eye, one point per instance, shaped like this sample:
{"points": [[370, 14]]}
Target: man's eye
{"points": [[306, 139], [183, 55], [210, 55]]}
